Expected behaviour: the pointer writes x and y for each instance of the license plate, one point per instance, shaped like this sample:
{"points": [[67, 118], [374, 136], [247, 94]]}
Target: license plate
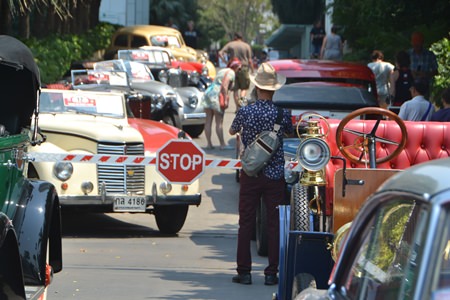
{"points": [[129, 204]]}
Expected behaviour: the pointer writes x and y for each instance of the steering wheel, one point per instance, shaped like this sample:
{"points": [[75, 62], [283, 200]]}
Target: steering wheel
{"points": [[365, 142]]}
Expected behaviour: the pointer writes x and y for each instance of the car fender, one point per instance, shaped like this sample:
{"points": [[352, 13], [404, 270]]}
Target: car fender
{"points": [[37, 221], [11, 278]]}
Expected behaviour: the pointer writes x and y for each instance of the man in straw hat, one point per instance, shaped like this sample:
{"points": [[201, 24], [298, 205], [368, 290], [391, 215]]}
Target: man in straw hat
{"points": [[270, 184]]}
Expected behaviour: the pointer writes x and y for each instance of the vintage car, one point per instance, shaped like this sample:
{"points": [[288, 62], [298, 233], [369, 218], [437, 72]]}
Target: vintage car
{"points": [[327, 88], [398, 245], [99, 123], [181, 76], [132, 37], [30, 219], [340, 164], [158, 101]]}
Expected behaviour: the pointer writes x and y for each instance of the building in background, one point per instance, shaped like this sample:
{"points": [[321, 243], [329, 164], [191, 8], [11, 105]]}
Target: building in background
{"points": [[125, 12]]}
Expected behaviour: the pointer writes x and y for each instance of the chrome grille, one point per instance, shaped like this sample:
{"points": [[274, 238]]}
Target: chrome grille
{"points": [[120, 179], [178, 79]]}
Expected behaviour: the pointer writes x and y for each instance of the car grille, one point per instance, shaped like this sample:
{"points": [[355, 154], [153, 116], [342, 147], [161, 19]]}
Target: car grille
{"points": [[121, 179], [179, 79]]}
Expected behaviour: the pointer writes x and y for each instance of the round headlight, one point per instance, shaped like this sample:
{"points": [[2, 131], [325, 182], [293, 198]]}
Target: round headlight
{"points": [[205, 71], [163, 77], [63, 170], [165, 187], [193, 101], [313, 154], [158, 101], [194, 77]]}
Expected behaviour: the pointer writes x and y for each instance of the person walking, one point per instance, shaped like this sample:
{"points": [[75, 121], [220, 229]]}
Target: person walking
{"points": [[382, 71], [215, 102], [443, 115], [418, 108], [332, 46], [269, 185], [400, 82], [317, 35], [191, 35], [240, 49]]}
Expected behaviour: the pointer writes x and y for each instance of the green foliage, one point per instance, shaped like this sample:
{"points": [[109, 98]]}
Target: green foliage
{"points": [[442, 81], [55, 53]]}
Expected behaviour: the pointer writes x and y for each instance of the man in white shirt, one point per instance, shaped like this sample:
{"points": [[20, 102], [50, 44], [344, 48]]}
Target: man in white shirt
{"points": [[418, 108]]}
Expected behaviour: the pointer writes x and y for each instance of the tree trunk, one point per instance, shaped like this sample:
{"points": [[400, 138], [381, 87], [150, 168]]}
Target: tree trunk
{"points": [[24, 25], [5, 18]]}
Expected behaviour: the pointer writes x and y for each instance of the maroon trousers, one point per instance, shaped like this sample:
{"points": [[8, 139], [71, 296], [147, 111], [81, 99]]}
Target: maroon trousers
{"points": [[252, 190]]}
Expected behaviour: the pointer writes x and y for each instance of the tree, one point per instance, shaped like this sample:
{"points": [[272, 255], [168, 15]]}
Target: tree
{"points": [[387, 25], [224, 18]]}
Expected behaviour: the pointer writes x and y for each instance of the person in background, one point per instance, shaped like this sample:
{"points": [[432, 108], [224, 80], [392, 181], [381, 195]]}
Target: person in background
{"points": [[269, 185], [423, 62], [317, 35], [332, 46], [418, 108], [191, 35], [382, 71], [240, 49], [443, 115], [222, 84], [401, 81]]}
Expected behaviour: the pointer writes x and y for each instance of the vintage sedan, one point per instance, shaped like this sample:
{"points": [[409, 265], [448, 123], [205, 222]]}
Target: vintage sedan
{"points": [[30, 219], [189, 83], [398, 245], [98, 123], [132, 37]]}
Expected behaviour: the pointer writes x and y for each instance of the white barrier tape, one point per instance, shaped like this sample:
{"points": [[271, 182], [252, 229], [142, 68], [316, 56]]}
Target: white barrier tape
{"points": [[121, 159]]}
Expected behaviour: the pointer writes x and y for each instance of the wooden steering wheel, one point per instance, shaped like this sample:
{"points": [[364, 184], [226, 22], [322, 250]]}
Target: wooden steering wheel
{"points": [[365, 142]]}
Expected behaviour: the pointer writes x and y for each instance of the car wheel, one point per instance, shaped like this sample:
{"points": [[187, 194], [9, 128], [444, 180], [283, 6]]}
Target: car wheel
{"points": [[194, 130], [173, 119], [261, 229], [170, 218], [301, 282], [299, 208]]}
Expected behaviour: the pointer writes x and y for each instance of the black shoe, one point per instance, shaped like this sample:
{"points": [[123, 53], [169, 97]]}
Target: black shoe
{"points": [[245, 278], [270, 279]]}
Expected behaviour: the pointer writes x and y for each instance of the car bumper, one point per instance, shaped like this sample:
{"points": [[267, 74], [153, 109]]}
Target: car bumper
{"points": [[108, 200], [194, 118]]}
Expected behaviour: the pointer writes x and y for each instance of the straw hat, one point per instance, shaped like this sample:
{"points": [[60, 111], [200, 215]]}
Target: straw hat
{"points": [[266, 78]]}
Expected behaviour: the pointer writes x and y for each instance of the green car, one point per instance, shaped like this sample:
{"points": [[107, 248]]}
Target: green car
{"points": [[30, 219]]}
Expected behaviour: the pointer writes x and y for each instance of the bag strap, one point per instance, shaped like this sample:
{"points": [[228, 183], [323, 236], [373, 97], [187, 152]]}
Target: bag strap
{"points": [[277, 125], [426, 114]]}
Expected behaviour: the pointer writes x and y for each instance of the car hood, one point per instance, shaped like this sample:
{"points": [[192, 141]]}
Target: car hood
{"points": [[89, 127], [155, 134], [153, 86], [309, 95]]}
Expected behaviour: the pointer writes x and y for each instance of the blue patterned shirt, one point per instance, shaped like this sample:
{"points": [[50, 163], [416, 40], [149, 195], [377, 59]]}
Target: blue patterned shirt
{"points": [[252, 119]]}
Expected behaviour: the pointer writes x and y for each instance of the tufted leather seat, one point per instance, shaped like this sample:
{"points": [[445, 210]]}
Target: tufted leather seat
{"points": [[426, 141]]}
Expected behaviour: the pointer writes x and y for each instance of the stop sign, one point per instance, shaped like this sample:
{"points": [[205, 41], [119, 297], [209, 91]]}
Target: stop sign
{"points": [[180, 161]]}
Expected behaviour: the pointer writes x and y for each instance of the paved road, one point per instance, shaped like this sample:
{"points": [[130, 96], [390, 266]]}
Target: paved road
{"points": [[123, 256]]}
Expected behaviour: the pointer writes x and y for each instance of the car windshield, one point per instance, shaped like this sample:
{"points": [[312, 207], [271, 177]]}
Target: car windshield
{"points": [[390, 251], [81, 102], [154, 57], [164, 40], [135, 70]]}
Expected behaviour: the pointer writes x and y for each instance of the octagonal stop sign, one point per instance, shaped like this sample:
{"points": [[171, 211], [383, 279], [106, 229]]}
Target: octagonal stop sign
{"points": [[180, 161]]}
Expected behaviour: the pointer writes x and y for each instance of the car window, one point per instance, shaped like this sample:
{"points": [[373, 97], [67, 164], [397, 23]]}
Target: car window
{"points": [[444, 259], [138, 41], [121, 40], [99, 104], [165, 40], [386, 261]]}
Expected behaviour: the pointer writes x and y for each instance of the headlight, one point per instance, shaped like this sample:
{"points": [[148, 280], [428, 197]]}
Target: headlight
{"points": [[194, 77], [205, 71], [289, 175], [193, 101], [165, 187], [313, 154], [158, 101], [63, 170], [163, 77]]}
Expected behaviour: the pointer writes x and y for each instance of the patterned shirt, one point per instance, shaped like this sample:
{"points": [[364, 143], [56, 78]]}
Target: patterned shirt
{"points": [[425, 61], [252, 119]]}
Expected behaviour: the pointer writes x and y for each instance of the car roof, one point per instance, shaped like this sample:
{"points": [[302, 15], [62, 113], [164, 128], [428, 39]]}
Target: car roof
{"points": [[313, 68], [425, 179], [146, 29], [312, 96]]}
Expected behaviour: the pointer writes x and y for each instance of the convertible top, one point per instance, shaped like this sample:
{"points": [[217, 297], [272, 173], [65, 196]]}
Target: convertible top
{"points": [[19, 83]]}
